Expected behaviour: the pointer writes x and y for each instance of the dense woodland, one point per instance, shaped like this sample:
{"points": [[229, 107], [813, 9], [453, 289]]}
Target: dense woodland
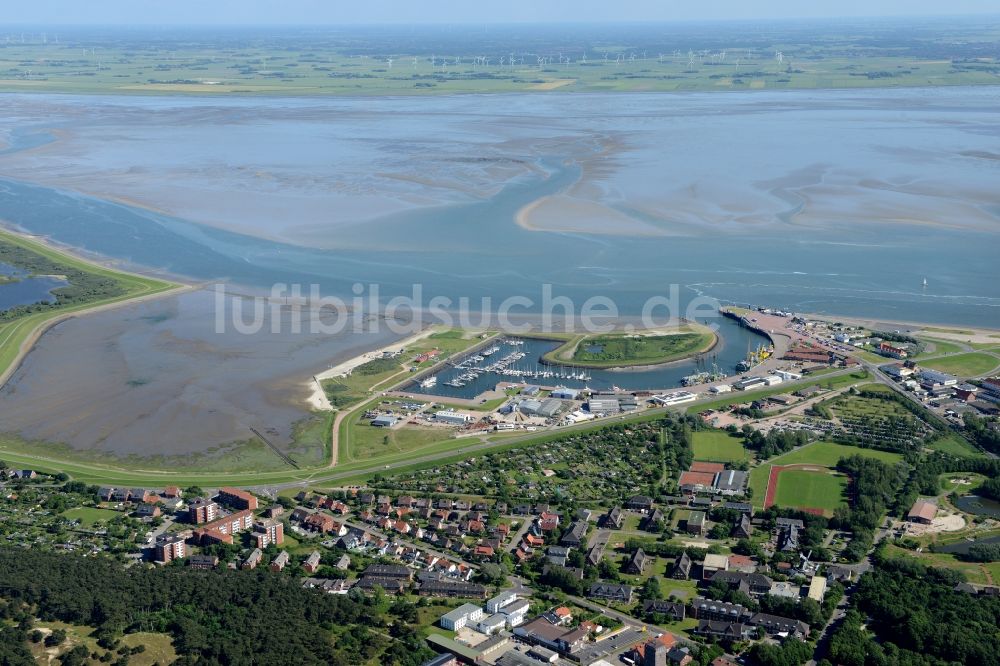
{"points": [[83, 287], [982, 433], [874, 488], [214, 617], [917, 619]]}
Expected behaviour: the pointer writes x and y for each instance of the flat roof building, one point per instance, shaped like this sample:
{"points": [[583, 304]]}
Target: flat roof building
{"points": [[452, 417], [461, 617]]}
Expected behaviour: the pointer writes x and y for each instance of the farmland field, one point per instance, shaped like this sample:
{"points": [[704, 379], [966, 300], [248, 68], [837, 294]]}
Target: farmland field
{"points": [[388, 60]]}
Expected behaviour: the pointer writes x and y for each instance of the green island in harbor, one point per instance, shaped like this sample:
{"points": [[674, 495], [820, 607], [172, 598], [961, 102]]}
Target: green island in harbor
{"points": [[622, 350]]}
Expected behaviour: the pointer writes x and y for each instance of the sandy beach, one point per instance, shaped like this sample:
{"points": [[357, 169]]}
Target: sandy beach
{"points": [[317, 397]]}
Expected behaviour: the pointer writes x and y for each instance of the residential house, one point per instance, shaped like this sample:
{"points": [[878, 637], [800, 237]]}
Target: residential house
{"points": [[147, 511], [775, 624], [682, 567], [637, 563], [312, 562], [653, 520], [614, 519], [696, 523], [673, 611], [575, 535], [611, 592], [724, 631], [743, 529], [203, 562], [280, 561], [595, 554], [253, 559], [639, 503]]}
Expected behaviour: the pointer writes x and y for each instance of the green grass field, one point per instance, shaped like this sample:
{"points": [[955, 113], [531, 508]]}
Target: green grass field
{"points": [[718, 446], [974, 572], [955, 445], [813, 490], [366, 442], [827, 454], [620, 350], [89, 516], [158, 648], [970, 364], [937, 347]]}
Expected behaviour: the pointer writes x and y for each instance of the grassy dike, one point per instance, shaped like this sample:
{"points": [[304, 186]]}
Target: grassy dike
{"points": [[19, 335]]}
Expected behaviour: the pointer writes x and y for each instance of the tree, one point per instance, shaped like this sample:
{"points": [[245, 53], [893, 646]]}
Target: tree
{"points": [[57, 637], [651, 590]]}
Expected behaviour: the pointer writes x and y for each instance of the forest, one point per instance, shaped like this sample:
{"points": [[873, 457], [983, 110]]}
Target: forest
{"points": [[917, 619], [214, 617], [874, 488]]}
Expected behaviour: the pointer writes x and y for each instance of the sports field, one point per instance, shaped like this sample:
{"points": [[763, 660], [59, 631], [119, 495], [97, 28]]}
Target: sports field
{"points": [[972, 364], [807, 489], [820, 454], [718, 446]]}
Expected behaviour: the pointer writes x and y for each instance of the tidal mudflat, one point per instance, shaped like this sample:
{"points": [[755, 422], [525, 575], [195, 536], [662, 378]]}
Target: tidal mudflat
{"points": [[826, 201], [155, 379]]}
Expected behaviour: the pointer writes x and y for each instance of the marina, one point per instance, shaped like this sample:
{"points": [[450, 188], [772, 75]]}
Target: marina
{"points": [[517, 360]]}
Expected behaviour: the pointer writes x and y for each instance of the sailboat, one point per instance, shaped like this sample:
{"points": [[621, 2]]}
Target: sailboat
{"points": [[925, 283]]}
